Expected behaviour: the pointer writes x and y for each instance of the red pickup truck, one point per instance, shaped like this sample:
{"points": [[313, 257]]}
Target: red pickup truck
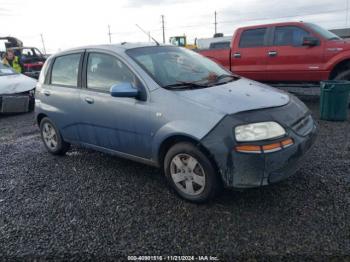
{"points": [[285, 52]]}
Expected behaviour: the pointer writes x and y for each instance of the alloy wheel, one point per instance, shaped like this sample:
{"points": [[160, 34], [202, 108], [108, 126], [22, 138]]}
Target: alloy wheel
{"points": [[50, 136], [187, 174]]}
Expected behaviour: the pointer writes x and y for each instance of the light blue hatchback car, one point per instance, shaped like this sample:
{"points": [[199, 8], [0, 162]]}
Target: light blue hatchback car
{"points": [[173, 108]]}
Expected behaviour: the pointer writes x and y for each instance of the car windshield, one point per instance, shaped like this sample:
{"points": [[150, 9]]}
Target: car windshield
{"points": [[174, 67], [323, 32], [6, 70]]}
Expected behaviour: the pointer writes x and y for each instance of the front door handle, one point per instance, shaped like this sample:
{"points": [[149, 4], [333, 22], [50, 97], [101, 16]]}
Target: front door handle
{"points": [[89, 100], [47, 92], [237, 55], [272, 53]]}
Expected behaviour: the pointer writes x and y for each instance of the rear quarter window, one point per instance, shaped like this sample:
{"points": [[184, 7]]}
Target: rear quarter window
{"points": [[43, 77], [220, 45]]}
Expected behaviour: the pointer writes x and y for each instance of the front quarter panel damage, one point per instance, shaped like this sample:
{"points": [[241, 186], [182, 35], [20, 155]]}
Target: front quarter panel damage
{"points": [[242, 170], [220, 142]]}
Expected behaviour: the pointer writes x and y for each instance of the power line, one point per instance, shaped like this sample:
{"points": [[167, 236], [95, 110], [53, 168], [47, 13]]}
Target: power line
{"points": [[255, 19], [147, 33], [283, 17]]}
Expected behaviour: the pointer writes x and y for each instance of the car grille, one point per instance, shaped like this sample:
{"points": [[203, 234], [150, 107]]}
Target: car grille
{"points": [[14, 104]]}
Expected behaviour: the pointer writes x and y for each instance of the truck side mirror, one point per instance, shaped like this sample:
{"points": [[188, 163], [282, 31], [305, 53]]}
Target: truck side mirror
{"points": [[310, 41]]}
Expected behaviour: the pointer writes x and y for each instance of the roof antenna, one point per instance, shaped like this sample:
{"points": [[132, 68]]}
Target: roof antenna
{"points": [[148, 34]]}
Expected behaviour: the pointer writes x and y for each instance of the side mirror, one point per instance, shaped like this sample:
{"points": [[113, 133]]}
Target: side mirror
{"points": [[310, 41], [124, 90]]}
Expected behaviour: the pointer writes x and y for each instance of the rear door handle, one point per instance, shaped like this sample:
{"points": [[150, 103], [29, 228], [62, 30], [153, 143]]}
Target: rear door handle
{"points": [[89, 100], [237, 55], [47, 92], [272, 53]]}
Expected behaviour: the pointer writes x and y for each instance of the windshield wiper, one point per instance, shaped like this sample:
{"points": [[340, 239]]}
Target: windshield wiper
{"points": [[184, 85], [223, 76]]}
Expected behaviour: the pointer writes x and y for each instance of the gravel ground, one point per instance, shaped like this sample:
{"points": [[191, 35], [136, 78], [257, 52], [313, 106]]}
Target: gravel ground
{"points": [[92, 205]]}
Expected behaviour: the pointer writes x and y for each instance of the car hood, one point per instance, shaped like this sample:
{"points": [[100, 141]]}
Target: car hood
{"points": [[237, 96], [337, 45], [18, 83]]}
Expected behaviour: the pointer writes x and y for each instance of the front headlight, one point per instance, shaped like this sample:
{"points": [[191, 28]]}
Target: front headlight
{"points": [[258, 131]]}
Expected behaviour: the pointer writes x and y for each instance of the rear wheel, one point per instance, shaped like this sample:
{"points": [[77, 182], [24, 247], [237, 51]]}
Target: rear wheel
{"points": [[52, 138], [190, 173]]}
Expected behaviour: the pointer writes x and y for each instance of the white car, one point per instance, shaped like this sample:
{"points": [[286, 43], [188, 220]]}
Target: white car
{"points": [[16, 91]]}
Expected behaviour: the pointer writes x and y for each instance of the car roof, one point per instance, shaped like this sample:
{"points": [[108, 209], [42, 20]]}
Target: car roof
{"points": [[122, 47], [271, 24]]}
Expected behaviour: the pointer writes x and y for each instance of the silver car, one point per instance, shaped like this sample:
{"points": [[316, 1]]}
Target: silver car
{"points": [[16, 91], [175, 109]]}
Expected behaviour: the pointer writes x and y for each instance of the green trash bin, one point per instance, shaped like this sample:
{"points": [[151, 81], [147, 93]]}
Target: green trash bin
{"points": [[334, 100]]}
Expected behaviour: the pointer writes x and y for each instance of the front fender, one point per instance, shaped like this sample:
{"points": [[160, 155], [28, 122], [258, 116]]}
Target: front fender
{"points": [[190, 129], [335, 60]]}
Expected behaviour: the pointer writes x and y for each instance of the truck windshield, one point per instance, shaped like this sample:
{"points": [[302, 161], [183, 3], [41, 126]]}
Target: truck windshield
{"points": [[323, 32], [174, 67], [6, 70]]}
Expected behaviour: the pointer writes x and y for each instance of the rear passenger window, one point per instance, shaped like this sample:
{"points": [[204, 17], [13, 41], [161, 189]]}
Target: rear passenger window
{"points": [[65, 70], [253, 38], [289, 35], [104, 71], [220, 45]]}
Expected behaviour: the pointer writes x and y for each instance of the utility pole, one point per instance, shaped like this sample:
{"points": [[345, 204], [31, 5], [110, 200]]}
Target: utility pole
{"points": [[215, 23], [347, 13], [109, 34], [163, 28], [42, 41]]}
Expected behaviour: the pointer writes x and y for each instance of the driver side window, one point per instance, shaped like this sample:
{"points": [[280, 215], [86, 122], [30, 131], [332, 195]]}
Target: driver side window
{"points": [[289, 36], [104, 71]]}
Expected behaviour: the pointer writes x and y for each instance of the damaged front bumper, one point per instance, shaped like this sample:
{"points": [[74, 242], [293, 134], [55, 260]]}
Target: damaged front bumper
{"points": [[247, 170], [17, 103]]}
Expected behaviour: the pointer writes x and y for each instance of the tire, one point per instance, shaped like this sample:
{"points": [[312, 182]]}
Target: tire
{"points": [[343, 75], [52, 138], [190, 173]]}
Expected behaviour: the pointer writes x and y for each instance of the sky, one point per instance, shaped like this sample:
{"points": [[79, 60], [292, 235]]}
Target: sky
{"points": [[70, 23]]}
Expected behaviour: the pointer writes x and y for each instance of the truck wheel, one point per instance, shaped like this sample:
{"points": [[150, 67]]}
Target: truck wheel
{"points": [[52, 138], [190, 173], [343, 75]]}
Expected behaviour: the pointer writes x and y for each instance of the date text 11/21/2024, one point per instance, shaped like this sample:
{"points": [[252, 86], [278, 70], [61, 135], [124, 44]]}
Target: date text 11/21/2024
{"points": [[173, 258]]}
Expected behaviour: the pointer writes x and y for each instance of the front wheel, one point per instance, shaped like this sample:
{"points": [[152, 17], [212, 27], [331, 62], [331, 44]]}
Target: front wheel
{"points": [[52, 138], [343, 75], [190, 173]]}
